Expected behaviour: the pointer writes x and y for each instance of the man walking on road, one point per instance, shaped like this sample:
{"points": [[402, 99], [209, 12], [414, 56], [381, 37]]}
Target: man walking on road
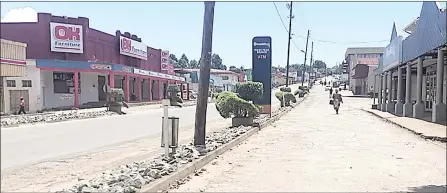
{"points": [[22, 106]]}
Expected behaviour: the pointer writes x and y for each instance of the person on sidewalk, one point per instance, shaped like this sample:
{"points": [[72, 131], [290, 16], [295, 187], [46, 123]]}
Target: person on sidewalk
{"points": [[22, 106], [337, 100], [330, 92]]}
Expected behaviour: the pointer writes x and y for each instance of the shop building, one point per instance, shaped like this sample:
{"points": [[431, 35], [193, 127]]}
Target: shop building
{"points": [[361, 62], [76, 61], [412, 80], [12, 66], [224, 80]]}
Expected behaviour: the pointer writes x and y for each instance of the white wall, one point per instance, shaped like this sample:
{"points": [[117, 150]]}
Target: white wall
{"points": [[89, 93], [35, 98]]}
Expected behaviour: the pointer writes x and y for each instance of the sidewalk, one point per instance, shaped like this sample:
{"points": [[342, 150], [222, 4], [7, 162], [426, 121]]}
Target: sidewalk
{"points": [[311, 149], [426, 129]]}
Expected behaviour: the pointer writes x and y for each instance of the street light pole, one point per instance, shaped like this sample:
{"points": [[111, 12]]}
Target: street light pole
{"points": [[288, 44], [311, 59], [305, 58], [204, 79]]}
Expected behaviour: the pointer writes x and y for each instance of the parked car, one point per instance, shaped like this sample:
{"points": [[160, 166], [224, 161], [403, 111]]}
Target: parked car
{"points": [[192, 94]]}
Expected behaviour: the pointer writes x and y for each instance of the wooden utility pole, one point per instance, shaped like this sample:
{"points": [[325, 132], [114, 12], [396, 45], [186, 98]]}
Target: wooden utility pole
{"points": [[204, 79], [288, 44], [311, 59], [305, 58]]}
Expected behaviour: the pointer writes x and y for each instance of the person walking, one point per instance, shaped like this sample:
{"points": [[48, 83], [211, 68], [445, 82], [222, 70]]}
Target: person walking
{"points": [[337, 100], [330, 92], [22, 106]]}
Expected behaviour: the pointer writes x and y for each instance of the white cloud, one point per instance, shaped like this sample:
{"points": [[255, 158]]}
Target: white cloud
{"points": [[26, 14]]}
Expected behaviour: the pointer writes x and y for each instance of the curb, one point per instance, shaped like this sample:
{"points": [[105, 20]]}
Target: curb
{"points": [[433, 138], [188, 169]]}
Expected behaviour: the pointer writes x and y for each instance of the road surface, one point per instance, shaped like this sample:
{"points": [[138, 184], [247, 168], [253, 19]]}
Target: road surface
{"points": [[311, 149], [33, 143]]}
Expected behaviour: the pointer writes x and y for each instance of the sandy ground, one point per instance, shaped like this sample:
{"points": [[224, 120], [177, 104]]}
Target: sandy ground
{"points": [[313, 149]]}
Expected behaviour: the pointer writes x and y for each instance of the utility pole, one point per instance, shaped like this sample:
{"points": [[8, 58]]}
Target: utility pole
{"points": [[305, 58], [204, 79], [288, 44], [311, 59]]}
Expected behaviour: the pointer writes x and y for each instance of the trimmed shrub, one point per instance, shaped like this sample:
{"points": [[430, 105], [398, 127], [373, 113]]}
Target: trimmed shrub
{"points": [[250, 91], [219, 90], [229, 105], [285, 89], [173, 88], [285, 98], [304, 88]]}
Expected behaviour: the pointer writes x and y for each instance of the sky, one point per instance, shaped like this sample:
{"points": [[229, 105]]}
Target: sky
{"points": [[177, 26]]}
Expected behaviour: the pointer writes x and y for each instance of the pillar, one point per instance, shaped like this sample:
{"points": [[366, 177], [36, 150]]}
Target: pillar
{"points": [[379, 90], [138, 93], [390, 104], [187, 91], [374, 90], [149, 88], [439, 108], [76, 89], [408, 106], [126, 88], [398, 108], [419, 107], [112, 80], [160, 90], [384, 96], [181, 91]]}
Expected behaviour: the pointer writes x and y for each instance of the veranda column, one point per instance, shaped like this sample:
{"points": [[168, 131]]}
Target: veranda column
{"points": [[379, 98], [160, 92], [439, 114], [149, 88], [390, 104], [187, 91], [384, 96], [398, 109], [76, 89], [139, 93], [419, 107], [408, 106], [112, 80], [126, 88]]}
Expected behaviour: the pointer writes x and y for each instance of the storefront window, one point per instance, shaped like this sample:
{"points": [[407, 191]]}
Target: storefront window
{"points": [[63, 82]]}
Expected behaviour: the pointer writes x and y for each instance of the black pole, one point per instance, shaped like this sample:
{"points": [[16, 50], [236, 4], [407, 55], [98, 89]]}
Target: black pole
{"points": [[311, 59], [288, 44], [305, 57]]}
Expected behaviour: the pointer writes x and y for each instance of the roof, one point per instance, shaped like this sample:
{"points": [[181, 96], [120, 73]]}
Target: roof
{"points": [[411, 26], [364, 50], [213, 71]]}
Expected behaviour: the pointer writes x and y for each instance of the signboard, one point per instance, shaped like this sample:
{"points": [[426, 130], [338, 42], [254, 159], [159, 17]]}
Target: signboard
{"points": [[133, 48], [164, 60], [66, 38], [262, 69], [158, 75], [392, 54]]}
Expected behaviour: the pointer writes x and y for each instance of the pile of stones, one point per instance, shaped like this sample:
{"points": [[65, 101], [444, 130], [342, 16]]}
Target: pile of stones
{"points": [[132, 177], [53, 117]]}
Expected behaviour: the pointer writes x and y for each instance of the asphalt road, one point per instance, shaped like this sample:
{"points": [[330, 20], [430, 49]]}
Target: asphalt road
{"points": [[29, 144]]}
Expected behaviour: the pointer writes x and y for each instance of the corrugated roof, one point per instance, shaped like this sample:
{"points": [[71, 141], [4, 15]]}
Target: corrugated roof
{"points": [[364, 50]]}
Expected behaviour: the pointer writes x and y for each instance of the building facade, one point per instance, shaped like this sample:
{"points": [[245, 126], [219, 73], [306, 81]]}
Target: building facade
{"points": [[360, 61], [76, 62], [412, 79]]}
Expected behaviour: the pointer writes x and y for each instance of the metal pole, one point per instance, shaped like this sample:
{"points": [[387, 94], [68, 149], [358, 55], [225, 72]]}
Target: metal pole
{"points": [[288, 44], [165, 128], [305, 58], [204, 79]]}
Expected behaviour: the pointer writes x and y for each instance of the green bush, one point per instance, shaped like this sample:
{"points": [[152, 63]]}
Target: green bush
{"points": [[304, 88], [285, 89], [286, 96], [173, 88], [115, 95], [250, 91], [219, 90], [297, 91], [229, 105]]}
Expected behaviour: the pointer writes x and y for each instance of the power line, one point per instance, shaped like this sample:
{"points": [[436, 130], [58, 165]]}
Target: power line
{"points": [[284, 25], [334, 42]]}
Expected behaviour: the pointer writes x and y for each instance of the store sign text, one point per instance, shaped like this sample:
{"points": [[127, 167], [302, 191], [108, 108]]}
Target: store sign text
{"points": [[133, 48], [66, 38]]}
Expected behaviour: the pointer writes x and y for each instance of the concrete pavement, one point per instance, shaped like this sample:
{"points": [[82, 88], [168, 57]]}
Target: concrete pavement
{"points": [[313, 149]]}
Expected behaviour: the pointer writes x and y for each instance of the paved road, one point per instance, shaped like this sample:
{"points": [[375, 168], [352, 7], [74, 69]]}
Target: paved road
{"points": [[32, 143], [312, 149]]}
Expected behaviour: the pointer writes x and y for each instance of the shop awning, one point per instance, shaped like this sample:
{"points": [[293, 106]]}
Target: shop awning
{"points": [[360, 71]]}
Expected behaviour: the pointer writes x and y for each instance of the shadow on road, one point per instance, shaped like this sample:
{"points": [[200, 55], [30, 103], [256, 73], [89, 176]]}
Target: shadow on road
{"points": [[428, 188]]}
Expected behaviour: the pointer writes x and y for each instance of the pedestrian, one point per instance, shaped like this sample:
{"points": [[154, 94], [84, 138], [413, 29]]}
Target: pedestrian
{"points": [[330, 92], [22, 106], [337, 98]]}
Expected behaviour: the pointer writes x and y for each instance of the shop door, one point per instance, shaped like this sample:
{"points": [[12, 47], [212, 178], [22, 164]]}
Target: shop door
{"points": [[430, 91], [101, 83], [15, 100]]}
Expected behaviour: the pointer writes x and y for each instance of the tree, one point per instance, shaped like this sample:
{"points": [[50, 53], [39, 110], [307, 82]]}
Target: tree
{"points": [[216, 62], [174, 60], [193, 64], [235, 69], [319, 64], [183, 62]]}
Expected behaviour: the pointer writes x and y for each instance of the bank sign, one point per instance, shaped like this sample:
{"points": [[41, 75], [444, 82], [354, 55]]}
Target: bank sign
{"points": [[262, 68], [133, 48], [66, 38], [393, 54]]}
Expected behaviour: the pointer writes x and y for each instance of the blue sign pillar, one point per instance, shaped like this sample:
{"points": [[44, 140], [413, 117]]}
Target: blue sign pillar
{"points": [[262, 69]]}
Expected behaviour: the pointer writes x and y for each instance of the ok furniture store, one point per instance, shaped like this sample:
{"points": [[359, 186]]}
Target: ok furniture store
{"points": [[69, 64]]}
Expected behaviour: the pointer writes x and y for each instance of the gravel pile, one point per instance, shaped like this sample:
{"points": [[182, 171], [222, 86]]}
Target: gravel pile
{"points": [[131, 177], [26, 119]]}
